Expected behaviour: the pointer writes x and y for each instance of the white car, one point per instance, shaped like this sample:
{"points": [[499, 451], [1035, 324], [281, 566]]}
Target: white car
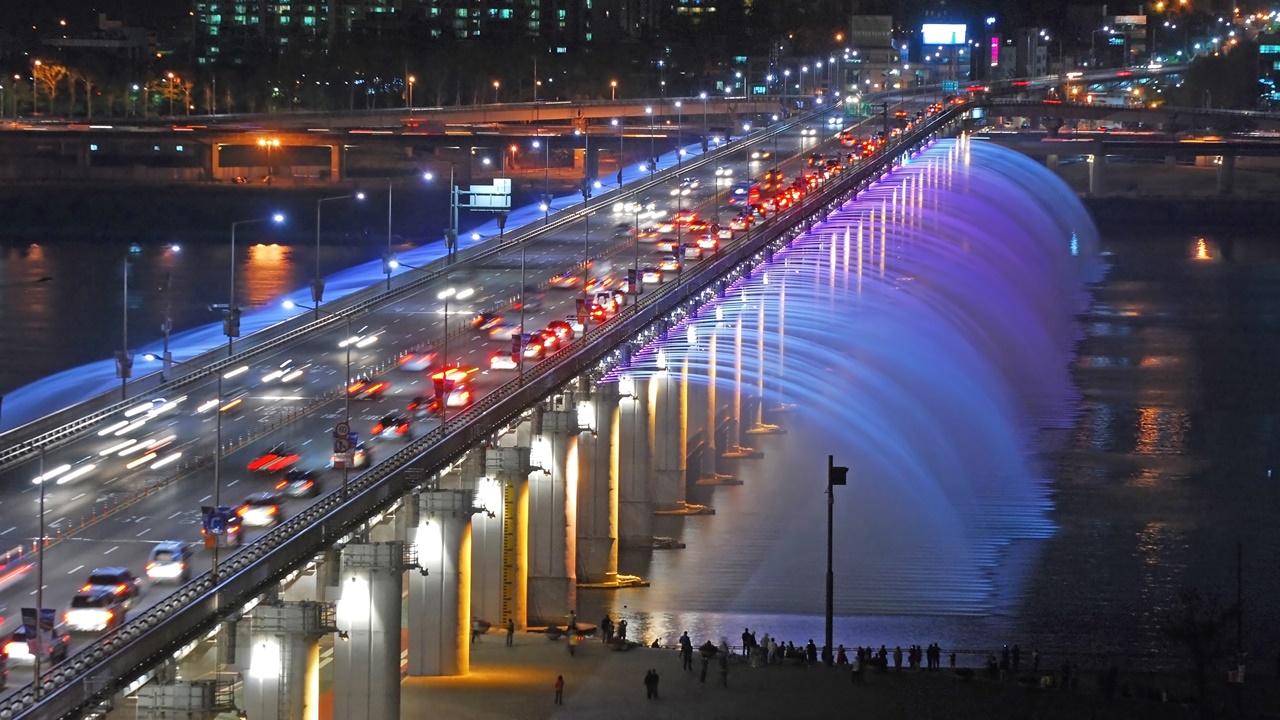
{"points": [[573, 322], [502, 361], [285, 372], [260, 510], [809, 131], [723, 171], [417, 361], [651, 275]]}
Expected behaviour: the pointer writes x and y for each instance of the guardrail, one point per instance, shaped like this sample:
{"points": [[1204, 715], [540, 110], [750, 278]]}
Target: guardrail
{"points": [[91, 676], [68, 423]]}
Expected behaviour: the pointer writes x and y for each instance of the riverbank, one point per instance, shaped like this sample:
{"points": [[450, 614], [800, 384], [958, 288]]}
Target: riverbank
{"points": [[516, 683]]}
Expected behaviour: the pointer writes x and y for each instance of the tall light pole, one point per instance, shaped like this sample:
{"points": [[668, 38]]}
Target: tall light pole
{"points": [[679, 132], [317, 285], [35, 97], [269, 144], [703, 96], [172, 94], [231, 321], [496, 84], [653, 160], [613, 89], [617, 123], [124, 364], [409, 100], [40, 577], [546, 179], [389, 262], [835, 476]]}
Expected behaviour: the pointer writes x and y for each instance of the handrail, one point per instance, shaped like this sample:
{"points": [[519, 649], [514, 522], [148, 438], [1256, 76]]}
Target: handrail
{"points": [[93, 675], [354, 304]]}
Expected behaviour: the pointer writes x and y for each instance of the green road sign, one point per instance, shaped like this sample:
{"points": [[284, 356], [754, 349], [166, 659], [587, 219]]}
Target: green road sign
{"points": [[950, 86]]}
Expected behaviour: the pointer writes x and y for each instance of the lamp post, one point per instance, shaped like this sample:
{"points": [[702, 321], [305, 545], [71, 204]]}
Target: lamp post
{"points": [[40, 577], [496, 84], [317, 285], [618, 124], [679, 132], [35, 97], [124, 362], [835, 476], [546, 179], [409, 100], [703, 96], [389, 263], [269, 144], [231, 321], [653, 160], [172, 94], [613, 89]]}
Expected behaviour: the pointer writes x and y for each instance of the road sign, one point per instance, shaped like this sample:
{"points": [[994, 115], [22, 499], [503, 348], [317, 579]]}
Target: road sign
{"points": [[342, 429], [341, 445], [950, 86]]}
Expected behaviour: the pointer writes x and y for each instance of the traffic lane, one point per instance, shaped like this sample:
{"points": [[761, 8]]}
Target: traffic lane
{"points": [[235, 423]]}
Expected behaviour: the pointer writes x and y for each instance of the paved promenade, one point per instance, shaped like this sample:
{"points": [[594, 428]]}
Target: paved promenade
{"points": [[517, 684]]}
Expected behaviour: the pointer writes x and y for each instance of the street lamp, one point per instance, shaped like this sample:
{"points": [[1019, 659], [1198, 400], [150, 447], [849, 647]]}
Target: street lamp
{"points": [[546, 181], [35, 97], [679, 133], [496, 84], [317, 285], [703, 96], [389, 262], [409, 100], [269, 144], [616, 123], [231, 321], [835, 476], [613, 89], [653, 160], [172, 94]]}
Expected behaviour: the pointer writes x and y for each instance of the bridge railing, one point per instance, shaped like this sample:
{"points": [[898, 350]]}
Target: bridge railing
{"points": [[25, 441], [91, 676]]}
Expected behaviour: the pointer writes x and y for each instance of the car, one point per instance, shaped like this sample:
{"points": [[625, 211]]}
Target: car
{"points": [[454, 383], [549, 340], [741, 222], [650, 275], [809, 131], [486, 321], [692, 252], [503, 331], [276, 459], [562, 329], [761, 154], [574, 322], [285, 372], [534, 350], [666, 245], [724, 171], [170, 561], [417, 361], [368, 389], [708, 242], [298, 484], [120, 581], [260, 509], [669, 264], [503, 361], [566, 280], [393, 425], [598, 313], [51, 648], [816, 159], [94, 610], [359, 456], [681, 190]]}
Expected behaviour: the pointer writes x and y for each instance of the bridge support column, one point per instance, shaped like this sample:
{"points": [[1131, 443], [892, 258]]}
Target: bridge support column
{"points": [[283, 682], [671, 440], [335, 162], [635, 460], [598, 489], [440, 597], [195, 700], [368, 658], [1227, 175], [1097, 174], [553, 512], [510, 467]]}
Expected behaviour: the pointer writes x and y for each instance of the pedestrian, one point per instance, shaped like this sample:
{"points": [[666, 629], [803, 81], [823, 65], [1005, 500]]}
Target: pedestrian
{"points": [[811, 652], [511, 631], [953, 660], [573, 641], [559, 689], [655, 683], [841, 657], [573, 622], [648, 685], [686, 652], [746, 642], [606, 629], [897, 658], [622, 629]]}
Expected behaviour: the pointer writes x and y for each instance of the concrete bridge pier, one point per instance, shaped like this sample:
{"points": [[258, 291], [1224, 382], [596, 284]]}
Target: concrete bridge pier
{"points": [[283, 682], [509, 466], [336, 164], [635, 460], [367, 655], [440, 595], [598, 489], [671, 438], [1227, 175], [553, 512]]}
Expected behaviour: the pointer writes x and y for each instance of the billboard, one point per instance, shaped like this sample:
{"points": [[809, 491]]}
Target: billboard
{"points": [[943, 34]]}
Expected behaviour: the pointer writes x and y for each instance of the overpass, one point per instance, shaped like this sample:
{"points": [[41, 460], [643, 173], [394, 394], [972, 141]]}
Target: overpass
{"points": [[126, 655], [1168, 118]]}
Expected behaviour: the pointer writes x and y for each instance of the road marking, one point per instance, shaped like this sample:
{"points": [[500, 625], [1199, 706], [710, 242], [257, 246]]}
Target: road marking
{"points": [[175, 515], [144, 532], [113, 549], [6, 532], [305, 442], [77, 569], [233, 482], [77, 497], [206, 497]]}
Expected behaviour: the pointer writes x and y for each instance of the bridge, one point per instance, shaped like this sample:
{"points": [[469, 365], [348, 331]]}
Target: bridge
{"points": [[532, 422], [1165, 117]]}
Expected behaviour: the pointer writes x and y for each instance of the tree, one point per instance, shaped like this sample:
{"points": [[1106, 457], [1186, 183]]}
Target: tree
{"points": [[1198, 623], [48, 77]]}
